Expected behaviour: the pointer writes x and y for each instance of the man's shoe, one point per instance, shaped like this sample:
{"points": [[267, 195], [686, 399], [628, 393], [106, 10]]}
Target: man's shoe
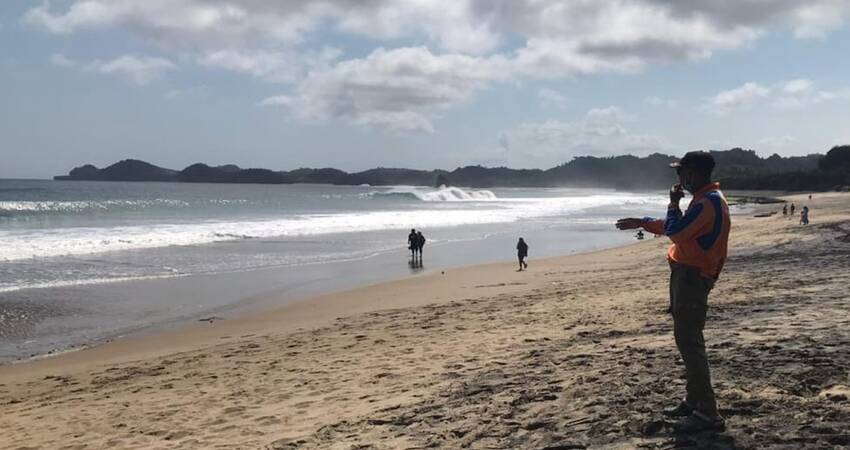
{"points": [[681, 410], [698, 422]]}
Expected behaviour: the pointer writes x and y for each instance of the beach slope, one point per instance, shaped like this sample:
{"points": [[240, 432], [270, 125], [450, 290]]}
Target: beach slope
{"points": [[577, 352]]}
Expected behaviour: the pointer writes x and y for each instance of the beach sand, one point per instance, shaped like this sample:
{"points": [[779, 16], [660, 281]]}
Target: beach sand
{"points": [[576, 352]]}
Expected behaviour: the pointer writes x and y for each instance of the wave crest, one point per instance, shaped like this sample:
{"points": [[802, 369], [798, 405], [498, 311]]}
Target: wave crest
{"points": [[441, 194]]}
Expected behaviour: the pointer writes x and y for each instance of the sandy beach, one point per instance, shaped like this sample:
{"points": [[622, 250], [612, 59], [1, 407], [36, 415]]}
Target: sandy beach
{"points": [[577, 352]]}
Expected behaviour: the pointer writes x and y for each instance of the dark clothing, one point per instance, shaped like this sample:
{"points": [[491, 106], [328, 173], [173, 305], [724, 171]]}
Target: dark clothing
{"points": [[420, 242], [522, 249], [689, 304], [412, 241]]}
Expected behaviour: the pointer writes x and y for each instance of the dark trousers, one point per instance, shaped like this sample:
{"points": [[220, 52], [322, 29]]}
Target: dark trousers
{"points": [[689, 304]]}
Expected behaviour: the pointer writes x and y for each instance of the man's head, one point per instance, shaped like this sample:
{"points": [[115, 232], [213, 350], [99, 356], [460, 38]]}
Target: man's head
{"points": [[694, 170]]}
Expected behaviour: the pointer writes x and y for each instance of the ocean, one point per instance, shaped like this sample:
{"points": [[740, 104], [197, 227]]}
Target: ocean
{"points": [[86, 261]]}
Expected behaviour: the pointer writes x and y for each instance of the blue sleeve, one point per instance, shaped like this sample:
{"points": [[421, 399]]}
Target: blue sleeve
{"points": [[676, 223]]}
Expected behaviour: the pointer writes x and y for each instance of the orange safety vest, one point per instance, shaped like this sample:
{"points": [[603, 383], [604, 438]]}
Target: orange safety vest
{"points": [[701, 235]]}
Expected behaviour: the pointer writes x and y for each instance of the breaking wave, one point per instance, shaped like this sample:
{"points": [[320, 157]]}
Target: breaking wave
{"points": [[441, 194]]}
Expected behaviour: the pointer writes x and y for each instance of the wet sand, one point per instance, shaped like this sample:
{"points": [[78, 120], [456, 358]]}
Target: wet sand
{"points": [[577, 352], [41, 321]]}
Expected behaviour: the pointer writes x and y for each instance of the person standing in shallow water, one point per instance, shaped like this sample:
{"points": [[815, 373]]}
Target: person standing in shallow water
{"points": [[420, 243], [522, 253], [412, 242], [700, 237]]}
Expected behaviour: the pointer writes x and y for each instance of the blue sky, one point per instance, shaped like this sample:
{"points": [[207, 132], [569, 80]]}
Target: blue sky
{"points": [[421, 84]]}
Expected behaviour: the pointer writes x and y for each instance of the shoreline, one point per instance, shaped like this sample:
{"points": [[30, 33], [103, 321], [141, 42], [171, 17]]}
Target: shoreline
{"points": [[576, 352], [298, 315], [182, 301], [198, 329]]}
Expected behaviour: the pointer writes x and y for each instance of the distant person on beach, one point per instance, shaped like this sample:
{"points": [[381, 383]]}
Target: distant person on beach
{"points": [[697, 255], [413, 242], [639, 235], [810, 196], [785, 210], [792, 209], [804, 216], [522, 253], [420, 243]]}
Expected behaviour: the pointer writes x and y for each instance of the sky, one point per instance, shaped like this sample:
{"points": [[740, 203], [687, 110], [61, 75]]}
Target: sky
{"points": [[425, 84]]}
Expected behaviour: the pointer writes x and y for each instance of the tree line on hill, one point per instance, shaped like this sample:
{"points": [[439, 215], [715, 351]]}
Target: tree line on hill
{"points": [[736, 169]]}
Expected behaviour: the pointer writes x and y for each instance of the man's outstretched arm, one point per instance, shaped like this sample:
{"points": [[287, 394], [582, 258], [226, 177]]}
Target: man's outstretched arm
{"points": [[649, 224]]}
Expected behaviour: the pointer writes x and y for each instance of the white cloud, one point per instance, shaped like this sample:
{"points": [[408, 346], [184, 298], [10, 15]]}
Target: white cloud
{"points": [[137, 69], [568, 37], [665, 102], [400, 89], [271, 66], [743, 96], [798, 86], [279, 42], [787, 95], [600, 132], [818, 19], [608, 113], [552, 98], [798, 94]]}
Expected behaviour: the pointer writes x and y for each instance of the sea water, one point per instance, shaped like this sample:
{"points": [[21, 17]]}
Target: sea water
{"points": [[81, 261]]}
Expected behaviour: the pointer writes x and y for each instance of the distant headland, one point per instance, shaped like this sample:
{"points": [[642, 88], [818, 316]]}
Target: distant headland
{"points": [[736, 169]]}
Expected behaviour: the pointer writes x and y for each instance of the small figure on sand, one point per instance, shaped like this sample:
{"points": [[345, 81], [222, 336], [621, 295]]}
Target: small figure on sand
{"points": [[522, 253], [785, 209], [700, 237], [420, 243], [639, 235], [804, 215], [792, 209], [413, 243]]}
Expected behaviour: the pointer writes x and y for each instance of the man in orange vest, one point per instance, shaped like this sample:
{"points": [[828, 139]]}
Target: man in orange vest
{"points": [[700, 236]]}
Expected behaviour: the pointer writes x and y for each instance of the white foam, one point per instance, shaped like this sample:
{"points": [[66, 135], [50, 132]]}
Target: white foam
{"points": [[85, 281], [441, 194], [21, 244], [65, 207]]}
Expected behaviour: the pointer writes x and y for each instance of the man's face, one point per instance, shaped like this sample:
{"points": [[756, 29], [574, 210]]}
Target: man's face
{"points": [[685, 177]]}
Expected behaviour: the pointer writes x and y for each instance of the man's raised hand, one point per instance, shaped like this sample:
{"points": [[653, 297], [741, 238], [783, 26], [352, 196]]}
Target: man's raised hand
{"points": [[629, 223], [676, 194]]}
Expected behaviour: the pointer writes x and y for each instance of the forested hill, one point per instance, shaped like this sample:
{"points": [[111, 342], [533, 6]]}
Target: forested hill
{"points": [[736, 169]]}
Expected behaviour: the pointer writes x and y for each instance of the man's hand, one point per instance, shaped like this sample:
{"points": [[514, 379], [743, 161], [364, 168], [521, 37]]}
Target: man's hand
{"points": [[676, 194], [629, 223]]}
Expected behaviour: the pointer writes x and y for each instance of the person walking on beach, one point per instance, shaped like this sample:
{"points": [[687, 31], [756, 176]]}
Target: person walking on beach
{"points": [[792, 209], [696, 257], [522, 253], [785, 209], [413, 242], [420, 243], [804, 216]]}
